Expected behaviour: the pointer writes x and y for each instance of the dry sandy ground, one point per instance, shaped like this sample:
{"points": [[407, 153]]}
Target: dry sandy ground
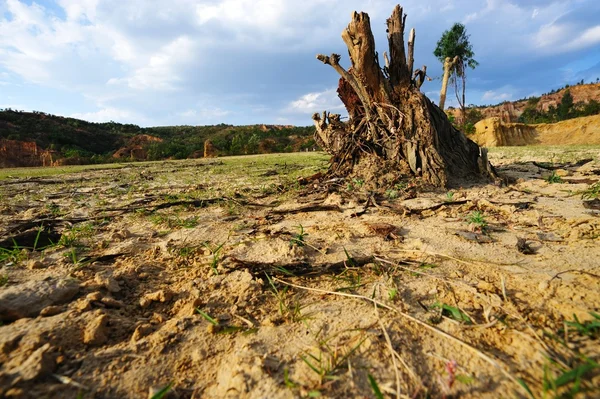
{"points": [[273, 289]]}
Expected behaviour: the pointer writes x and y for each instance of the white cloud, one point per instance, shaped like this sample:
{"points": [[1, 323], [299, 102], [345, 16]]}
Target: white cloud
{"points": [[263, 14], [590, 37], [316, 102], [492, 95], [157, 58], [562, 37], [160, 72], [80, 9], [204, 115], [490, 7], [551, 35]]}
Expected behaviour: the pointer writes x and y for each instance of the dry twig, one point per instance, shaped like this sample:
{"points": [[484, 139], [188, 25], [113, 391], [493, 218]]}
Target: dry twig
{"points": [[413, 319]]}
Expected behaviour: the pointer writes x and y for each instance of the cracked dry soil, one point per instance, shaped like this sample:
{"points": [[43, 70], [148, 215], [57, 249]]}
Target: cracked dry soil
{"points": [[228, 279]]}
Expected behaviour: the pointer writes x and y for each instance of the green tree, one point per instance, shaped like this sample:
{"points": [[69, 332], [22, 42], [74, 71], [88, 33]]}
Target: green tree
{"points": [[565, 106], [591, 108], [253, 142], [455, 44]]}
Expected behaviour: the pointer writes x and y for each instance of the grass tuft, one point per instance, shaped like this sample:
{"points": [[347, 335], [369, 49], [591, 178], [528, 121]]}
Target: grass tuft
{"points": [[163, 392], [207, 317], [375, 387], [553, 178], [589, 328], [298, 239], [453, 312], [592, 192], [477, 219], [289, 309]]}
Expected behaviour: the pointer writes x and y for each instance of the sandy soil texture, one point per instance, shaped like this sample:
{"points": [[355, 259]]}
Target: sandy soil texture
{"points": [[232, 278]]}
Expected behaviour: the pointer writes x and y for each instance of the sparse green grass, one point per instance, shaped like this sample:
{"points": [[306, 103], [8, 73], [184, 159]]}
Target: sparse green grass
{"points": [[391, 194], [331, 359], [215, 252], [17, 253], [553, 178], [298, 238], [174, 221], [396, 190], [3, 280], [186, 252], [351, 279], [76, 236], [355, 184], [292, 165], [53, 171], [567, 372], [375, 387], [286, 379], [77, 257], [54, 209], [14, 255], [592, 192], [566, 382], [289, 306], [477, 219], [219, 328], [423, 267], [401, 186], [590, 328], [163, 392], [207, 317], [453, 312]]}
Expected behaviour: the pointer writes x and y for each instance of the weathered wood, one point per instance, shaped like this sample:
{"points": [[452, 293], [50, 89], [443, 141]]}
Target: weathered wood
{"points": [[399, 73], [393, 130], [448, 65], [419, 76], [411, 50]]}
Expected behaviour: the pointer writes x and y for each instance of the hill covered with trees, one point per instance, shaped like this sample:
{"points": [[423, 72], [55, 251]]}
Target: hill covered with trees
{"points": [[65, 140], [568, 102]]}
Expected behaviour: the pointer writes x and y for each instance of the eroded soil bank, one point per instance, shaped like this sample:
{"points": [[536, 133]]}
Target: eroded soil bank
{"points": [[230, 278]]}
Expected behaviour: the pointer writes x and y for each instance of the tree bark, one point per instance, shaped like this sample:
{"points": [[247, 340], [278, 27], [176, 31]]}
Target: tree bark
{"points": [[394, 131], [411, 50], [448, 65]]}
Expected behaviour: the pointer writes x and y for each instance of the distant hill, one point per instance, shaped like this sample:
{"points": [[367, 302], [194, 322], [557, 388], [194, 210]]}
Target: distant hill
{"points": [[491, 132], [585, 101], [36, 139]]}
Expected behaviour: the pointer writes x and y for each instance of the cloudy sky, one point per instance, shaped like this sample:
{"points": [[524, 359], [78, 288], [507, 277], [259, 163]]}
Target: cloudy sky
{"points": [[197, 62]]}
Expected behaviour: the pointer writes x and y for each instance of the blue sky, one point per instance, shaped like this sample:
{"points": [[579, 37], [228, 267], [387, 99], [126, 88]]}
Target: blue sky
{"points": [[197, 62]]}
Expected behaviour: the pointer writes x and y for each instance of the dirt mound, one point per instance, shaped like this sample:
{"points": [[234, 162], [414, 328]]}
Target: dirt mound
{"points": [[492, 132], [510, 111], [14, 154], [136, 148], [210, 151]]}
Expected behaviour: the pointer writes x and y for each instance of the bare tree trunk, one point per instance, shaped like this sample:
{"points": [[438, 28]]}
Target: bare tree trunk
{"points": [[463, 105], [459, 92], [394, 131], [411, 50], [448, 65]]}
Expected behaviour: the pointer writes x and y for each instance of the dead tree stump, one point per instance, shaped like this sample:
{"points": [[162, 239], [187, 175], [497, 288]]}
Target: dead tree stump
{"points": [[394, 131]]}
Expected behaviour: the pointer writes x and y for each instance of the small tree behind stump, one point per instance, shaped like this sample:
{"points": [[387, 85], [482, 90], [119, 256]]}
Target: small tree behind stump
{"points": [[394, 131]]}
